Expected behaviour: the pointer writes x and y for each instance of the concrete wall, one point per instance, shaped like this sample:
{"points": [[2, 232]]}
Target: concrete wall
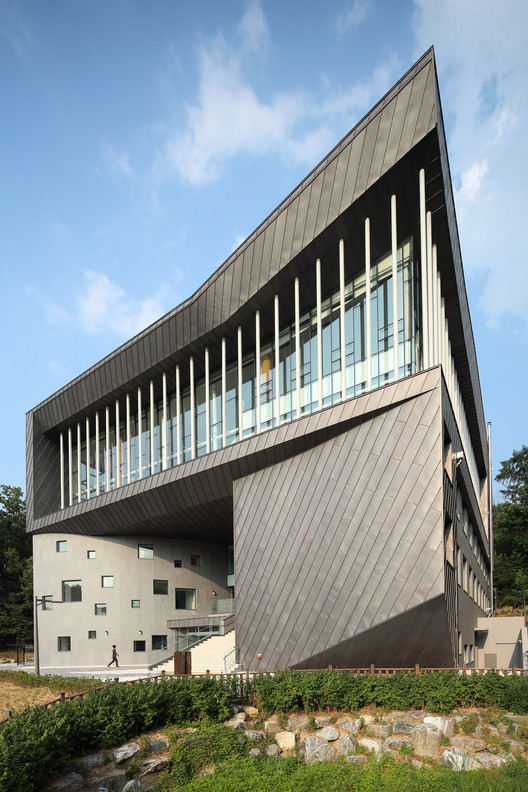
{"points": [[133, 579], [501, 642]]}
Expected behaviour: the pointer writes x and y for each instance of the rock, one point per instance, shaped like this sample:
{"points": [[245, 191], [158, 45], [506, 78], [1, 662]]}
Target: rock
{"points": [[132, 786], [416, 763], [254, 734], [371, 745], [114, 782], [313, 749], [381, 730], [297, 723], [458, 760], [358, 759], [324, 721], [159, 744], [255, 752], [345, 745], [285, 740], [240, 716], [328, 733], [153, 765], [468, 744], [445, 726], [250, 711], [395, 743], [487, 760], [426, 740], [402, 727], [272, 750], [353, 726], [368, 719], [272, 726], [126, 752], [239, 725], [71, 782], [94, 760]]}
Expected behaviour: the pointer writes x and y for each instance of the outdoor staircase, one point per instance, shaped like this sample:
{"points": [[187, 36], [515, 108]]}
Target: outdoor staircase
{"points": [[208, 655]]}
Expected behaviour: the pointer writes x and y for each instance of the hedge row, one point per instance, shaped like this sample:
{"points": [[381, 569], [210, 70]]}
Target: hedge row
{"points": [[441, 691]]}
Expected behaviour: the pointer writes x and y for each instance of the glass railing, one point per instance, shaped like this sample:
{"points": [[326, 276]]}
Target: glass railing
{"points": [[222, 605]]}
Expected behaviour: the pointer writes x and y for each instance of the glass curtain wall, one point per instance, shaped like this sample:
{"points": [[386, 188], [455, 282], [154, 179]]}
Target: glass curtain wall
{"points": [[260, 375]]}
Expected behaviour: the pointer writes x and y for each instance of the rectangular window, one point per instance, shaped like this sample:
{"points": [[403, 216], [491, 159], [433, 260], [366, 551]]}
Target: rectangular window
{"points": [[185, 599], [196, 560], [47, 602], [100, 609], [140, 646], [90, 554], [72, 590], [145, 551], [107, 581], [161, 586], [159, 642], [135, 603], [61, 546], [91, 635], [177, 563], [64, 643]]}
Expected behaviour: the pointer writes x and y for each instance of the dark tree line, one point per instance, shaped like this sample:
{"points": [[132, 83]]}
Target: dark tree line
{"points": [[16, 569], [510, 528]]}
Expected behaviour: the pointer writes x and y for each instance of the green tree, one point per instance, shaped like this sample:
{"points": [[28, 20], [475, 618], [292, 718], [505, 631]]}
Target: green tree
{"points": [[16, 577], [510, 528]]}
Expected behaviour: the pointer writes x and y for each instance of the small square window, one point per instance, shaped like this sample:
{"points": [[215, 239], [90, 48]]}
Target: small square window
{"points": [[72, 590], [100, 609], [64, 643], [90, 554], [145, 551], [61, 546], [91, 635], [161, 586], [177, 562], [107, 581], [140, 646], [135, 603], [185, 599], [159, 642], [196, 560], [47, 602]]}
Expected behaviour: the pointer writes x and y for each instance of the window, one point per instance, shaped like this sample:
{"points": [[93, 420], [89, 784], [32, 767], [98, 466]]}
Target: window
{"points": [[177, 563], [107, 581], [72, 590], [135, 603], [161, 586], [159, 642], [185, 599], [90, 554], [140, 646], [64, 643], [196, 560], [100, 609], [91, 634], [145, 551], [47, 602], [61, 546]]}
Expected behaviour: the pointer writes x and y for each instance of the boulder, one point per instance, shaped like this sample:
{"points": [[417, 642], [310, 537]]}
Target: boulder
{"points": [[251, 711], [272, 750], [255, 734], [359, 759], [395, 743], [255, 752], [458, 760], [352, 726], [285, 740], [445, 726], [371, 744], [313, 749], [329, 733], [239, 725], [345, 745], [71, 782], [272, 726], [126, 752], [380, 730], [468, 744], [132, 786], [94, 760], [298, 722], [402, 727], [324, 721], [240, 716], [426, 740], [159, 744], [154, 765], [114, 782], [487, 760]]}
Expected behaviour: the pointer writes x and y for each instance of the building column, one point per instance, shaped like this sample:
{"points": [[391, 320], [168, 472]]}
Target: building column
{"points": [[178, 416], [277, 359], [430, 289], [61, 452], [128, 450], [107, 449], [394, 246], [297, 351], [239, 384], [70, 466], [342, 336], [97, 454], [152, 463], [79, 480], [118, 446], [319, 335], [192, 407], [257, 371], [207, 405], [164, 423], [423, 271], [368, 305], [87, 457], [140, 434], [224, 387]]}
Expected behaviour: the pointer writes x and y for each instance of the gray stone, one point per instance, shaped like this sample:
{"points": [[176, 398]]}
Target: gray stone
{"points": [[353, 726], [132, 786], [488, 760], [380, 730], [445, 726], [250, 710], [238, 725], [159, 744], [272, 726], [416, 763], [313, 749], [154, 765], [324, 721], [426, 740], [272, 750], [114, 782], [240, 716], [298, 722], [254, 734], [126, 752], [329, 733], [255, 752], [72, 782], [395, 743], [285, 740], [458, 760], [402, 727], [359, 759], [371, 744], [94, 760], [368, 719], [345, 745], [468, 744]]}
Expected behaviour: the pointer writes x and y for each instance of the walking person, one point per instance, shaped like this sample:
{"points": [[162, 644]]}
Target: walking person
{"points": [[114, 657]]}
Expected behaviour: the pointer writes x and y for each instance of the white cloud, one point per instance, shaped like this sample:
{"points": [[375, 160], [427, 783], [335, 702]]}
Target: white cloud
{"points": [[254, 29], [14, 27], [353, 15], [116, 162], [471, 182]]}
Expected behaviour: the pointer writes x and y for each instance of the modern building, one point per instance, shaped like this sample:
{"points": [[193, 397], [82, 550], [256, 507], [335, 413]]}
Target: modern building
{"points": [[298, 450]]}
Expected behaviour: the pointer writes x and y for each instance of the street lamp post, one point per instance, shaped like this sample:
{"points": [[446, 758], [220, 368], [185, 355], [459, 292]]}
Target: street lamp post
{"points": [[39, 601]]}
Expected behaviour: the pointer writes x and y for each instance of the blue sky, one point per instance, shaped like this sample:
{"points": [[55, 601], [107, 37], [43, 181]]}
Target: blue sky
{"points": [[141, 143]]}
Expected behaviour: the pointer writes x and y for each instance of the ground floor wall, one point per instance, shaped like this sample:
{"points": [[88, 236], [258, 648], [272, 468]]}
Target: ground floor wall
{"points": [[121, 590]]}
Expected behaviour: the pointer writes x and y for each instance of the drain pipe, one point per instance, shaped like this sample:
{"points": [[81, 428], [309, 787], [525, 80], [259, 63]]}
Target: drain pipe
{"points": [[490, 520]]}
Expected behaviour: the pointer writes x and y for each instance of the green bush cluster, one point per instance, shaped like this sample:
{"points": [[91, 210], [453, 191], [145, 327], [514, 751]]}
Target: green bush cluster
{"points": [[211, 745], [58, 683], [344, 690], [40, 741]]}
